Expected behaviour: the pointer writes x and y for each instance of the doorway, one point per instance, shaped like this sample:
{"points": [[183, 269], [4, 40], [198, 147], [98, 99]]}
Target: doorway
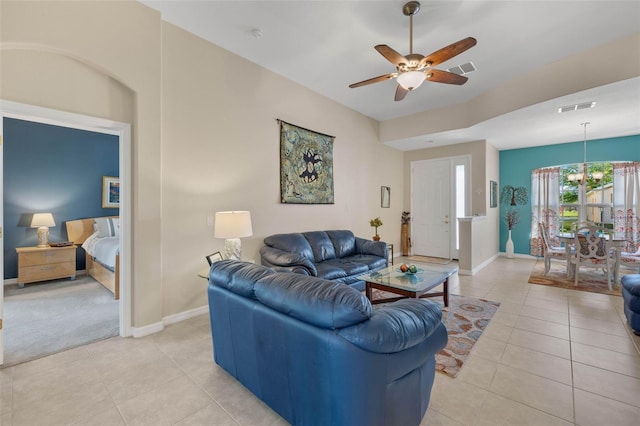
{"points": [[98, 125], [439, 195]]}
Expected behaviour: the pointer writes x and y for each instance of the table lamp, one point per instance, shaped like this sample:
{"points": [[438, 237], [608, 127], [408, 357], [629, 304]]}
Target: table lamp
{"points": [[232, 226], [42, 221]]}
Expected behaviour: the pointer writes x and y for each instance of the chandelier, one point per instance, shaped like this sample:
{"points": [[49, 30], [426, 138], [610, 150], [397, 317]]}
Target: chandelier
{"points": [[583, 171]]}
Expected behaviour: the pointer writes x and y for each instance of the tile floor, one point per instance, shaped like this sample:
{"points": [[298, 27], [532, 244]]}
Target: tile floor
{"points": [[549, 357]]}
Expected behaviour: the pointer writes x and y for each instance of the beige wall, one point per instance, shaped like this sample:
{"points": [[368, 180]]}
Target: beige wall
{"points": [[205, 136]]}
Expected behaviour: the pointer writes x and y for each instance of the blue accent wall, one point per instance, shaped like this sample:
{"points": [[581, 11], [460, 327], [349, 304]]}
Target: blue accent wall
{"points": [[52, 169], [516, 166]]}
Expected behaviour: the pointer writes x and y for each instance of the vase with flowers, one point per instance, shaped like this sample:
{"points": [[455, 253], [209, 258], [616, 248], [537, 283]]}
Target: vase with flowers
{"points": [[376, 223]]}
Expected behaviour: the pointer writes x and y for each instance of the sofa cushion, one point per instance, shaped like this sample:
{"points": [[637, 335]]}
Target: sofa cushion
{"points": [[323, 303], [348, 266], [238, 277], [293, 243], [631, 282], [344, 242], [328, 271], [321, 245], [396, 327], [370, 261]]}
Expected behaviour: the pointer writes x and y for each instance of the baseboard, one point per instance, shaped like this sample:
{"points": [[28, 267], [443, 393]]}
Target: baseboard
{"points": [[181, 316], [171, 319], [479, 267], [518, 256]]}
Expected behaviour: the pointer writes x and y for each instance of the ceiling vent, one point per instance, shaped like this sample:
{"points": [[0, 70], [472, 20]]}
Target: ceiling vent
{"points": [[463, 69], [576, 107]]}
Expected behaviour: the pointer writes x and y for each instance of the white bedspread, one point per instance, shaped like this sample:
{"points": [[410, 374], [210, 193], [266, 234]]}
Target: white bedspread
{"points": [[104, 250]]}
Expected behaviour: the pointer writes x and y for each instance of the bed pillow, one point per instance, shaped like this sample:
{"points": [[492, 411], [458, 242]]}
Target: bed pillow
{"points": [[107, 226]]}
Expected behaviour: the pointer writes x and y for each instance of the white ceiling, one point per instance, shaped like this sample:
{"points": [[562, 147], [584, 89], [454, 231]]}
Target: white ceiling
{"points": [[326, 45]]}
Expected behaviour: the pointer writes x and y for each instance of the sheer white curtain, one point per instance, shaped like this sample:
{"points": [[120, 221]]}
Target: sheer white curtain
{"points": [[626, 203], [545, 206]]}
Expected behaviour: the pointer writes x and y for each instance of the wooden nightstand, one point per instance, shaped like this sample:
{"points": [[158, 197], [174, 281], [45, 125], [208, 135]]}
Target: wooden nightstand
{"points": [[41, 264]]}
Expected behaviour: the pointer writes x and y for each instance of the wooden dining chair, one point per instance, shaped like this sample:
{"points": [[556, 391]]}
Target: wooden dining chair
{"points": [[550, 251], [593, 250], [630, 260]]}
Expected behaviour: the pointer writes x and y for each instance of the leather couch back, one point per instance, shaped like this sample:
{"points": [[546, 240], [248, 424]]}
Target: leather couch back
{"points": [[316, 246]]}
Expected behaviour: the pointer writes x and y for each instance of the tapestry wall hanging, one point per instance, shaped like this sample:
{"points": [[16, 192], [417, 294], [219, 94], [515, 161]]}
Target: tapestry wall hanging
{"points": [[306, 166]]}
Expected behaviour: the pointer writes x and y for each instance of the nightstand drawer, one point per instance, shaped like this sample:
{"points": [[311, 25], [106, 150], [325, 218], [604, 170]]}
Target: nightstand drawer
{"points": [[29, 274], [44, 257]]}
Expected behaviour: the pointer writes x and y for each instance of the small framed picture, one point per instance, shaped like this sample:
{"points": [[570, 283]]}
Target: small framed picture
{"points": [[385, 197], [493, 194], [214, 257], [110, 192]]}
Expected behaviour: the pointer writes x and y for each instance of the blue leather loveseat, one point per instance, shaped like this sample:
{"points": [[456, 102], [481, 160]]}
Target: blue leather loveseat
{"points": [[317, 352], [336, 255]]}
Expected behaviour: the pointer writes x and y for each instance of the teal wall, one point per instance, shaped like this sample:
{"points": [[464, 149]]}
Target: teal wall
{"points": [[516, 166]]}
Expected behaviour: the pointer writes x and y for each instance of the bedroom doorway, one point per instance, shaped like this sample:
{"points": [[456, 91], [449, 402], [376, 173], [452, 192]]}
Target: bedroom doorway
{"points": [[77, 121]]}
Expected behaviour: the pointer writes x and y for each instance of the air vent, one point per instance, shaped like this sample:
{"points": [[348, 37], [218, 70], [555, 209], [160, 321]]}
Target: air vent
{"points": [[576, 107], [463, 69]]}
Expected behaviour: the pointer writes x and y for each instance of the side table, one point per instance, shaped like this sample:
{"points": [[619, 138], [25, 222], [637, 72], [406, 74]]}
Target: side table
{"points": [[390, 248], [47, 263]]}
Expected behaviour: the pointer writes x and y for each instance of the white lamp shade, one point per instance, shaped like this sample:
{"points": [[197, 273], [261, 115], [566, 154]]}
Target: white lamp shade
{"points": [[42, 219], [411, 79], [233, 224]]}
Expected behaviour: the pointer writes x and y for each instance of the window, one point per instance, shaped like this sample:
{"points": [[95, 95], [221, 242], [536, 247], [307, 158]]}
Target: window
{"points": [[589, 200]]}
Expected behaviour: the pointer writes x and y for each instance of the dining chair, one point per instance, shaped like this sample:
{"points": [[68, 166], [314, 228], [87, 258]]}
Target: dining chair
{"points": [[593, 249], [550, 250], [630, 260]]}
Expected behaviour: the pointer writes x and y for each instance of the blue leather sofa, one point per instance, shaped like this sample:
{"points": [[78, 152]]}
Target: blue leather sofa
{"points": [[317, 352], [333, 255], [631, 298]]}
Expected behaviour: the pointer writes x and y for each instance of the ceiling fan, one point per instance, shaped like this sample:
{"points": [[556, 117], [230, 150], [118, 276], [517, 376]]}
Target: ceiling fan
{"points": [[414, 68]]}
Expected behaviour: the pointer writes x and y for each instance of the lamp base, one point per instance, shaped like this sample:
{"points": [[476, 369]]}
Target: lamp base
{"points": [[232, 248], [43, 237]]}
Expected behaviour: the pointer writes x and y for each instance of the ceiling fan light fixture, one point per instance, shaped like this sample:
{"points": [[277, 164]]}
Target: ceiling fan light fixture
{"points": [[411, 79]]}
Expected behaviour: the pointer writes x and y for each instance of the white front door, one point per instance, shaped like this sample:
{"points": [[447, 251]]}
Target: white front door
{"points": [[431, 221]]}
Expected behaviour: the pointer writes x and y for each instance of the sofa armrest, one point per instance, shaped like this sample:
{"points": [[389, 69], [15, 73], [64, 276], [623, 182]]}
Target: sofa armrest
{"points": [[292, 262], [396, 326], [376, 248]]}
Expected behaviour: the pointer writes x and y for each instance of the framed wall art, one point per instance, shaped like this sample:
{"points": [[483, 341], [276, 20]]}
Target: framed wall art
{"points": [[110, 192], [306, 166], [385, 197], [493, 194]]}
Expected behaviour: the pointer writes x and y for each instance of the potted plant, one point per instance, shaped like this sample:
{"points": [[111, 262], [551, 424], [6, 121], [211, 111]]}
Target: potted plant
{"points": [[376, 223]]}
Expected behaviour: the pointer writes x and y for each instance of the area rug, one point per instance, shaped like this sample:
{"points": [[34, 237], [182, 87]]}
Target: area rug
{"points": [[45, 318], [430, 259], [590, 279], [465, 319]]}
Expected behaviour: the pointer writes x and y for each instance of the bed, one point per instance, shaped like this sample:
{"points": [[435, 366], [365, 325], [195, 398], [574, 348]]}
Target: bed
{"points": [[100, 238]]}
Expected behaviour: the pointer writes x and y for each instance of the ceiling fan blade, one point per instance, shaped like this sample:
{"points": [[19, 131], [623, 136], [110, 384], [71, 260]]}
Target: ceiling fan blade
{"points": [[391, 55], [448, 52], [401, 92], [445, 77], [373, 80]]}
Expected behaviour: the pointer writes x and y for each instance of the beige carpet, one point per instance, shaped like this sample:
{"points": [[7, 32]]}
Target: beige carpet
{"points": [[590, 279], [430, 259]]}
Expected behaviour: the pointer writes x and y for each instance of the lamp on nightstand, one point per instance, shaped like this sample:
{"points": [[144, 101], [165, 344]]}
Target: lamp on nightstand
{"points": [[42, 221], [232, 225]]}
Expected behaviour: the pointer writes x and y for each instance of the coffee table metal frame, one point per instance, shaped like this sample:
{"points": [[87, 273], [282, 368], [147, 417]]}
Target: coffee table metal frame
{"points": [[409, 286]]}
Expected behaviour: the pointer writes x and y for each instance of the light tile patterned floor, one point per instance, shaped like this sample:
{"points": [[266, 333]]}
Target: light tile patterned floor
{"points": [[549, 357]]}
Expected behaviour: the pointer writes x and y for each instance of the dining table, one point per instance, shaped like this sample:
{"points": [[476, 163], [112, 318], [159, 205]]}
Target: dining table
{"points": [[618, 240]]}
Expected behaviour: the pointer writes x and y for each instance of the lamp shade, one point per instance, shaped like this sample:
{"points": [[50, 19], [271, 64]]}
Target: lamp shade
{"points": [[411, 79], [42, 219], [233, 224]]}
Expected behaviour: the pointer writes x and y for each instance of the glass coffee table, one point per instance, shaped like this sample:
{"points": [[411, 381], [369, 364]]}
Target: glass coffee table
{"points": [[417, 285]]}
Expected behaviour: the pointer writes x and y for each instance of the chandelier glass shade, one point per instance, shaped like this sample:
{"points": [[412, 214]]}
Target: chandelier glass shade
{"points": [[411, 79]]}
